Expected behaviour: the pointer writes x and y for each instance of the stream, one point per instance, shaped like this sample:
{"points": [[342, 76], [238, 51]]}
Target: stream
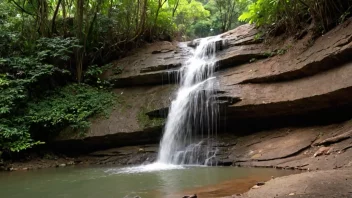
{"points": [[106, 182]]}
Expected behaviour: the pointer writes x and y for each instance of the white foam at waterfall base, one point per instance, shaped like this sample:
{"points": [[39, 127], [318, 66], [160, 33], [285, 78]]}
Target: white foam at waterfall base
{"points": [[154, 167]]}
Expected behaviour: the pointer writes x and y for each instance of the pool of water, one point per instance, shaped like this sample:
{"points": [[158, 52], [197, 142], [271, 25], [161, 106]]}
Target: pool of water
{"points": [[146, 182]]}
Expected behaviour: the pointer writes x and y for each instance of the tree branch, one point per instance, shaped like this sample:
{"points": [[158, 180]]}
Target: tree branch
{"points": [[22, 9]]}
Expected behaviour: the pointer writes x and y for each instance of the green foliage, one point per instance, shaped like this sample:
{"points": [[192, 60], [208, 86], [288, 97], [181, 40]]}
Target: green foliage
{"points": [[15, 138], [145, 121], [19, 73], [43, 117], [202, 28], [275, 52], [15, 85], [30, 105], [281, 51], [190, 13], [71, 106], [56, 48], [261, 12], [93, 73], [290, 15]]}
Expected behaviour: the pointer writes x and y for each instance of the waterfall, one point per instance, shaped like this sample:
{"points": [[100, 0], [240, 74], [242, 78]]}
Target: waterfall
{"points": [[192, 118]]}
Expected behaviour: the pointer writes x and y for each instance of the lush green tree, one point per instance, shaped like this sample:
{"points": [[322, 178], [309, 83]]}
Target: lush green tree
{"points": [[47, 46], [223, 17], [292, 15], [188, 14]]}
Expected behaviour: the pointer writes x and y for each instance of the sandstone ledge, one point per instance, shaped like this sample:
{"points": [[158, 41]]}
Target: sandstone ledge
{"points": [[291, 148], [329, 89], [158, 63], [303, 58]]}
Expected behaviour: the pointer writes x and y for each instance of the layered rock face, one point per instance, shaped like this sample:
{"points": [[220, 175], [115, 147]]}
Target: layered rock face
{"points": [[126, 124], [276, 86]]}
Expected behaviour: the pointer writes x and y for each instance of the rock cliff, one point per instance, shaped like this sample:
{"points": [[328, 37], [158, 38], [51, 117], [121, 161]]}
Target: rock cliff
{"points": [[278, 98]]}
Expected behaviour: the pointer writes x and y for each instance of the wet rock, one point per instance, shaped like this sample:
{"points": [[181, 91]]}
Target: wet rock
{"points": [[70, 163], [323, 151], [260, 183], [12, 169], [221, 44], [190, 196], [225, 162], [61, 165], [255, 187]]}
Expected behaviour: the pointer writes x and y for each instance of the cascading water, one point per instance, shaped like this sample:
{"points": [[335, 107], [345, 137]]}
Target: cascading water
{"points": [[193, 114]]}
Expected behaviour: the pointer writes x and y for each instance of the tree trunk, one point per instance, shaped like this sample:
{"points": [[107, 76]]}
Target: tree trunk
{"points": [[42, 17], [63, 6], [53, 28], [160, 5], [79, 51], [175, 8]]}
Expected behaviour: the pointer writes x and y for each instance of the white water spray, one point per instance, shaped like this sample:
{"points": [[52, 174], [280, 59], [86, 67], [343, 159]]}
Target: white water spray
{"points": [[193, 114]]}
